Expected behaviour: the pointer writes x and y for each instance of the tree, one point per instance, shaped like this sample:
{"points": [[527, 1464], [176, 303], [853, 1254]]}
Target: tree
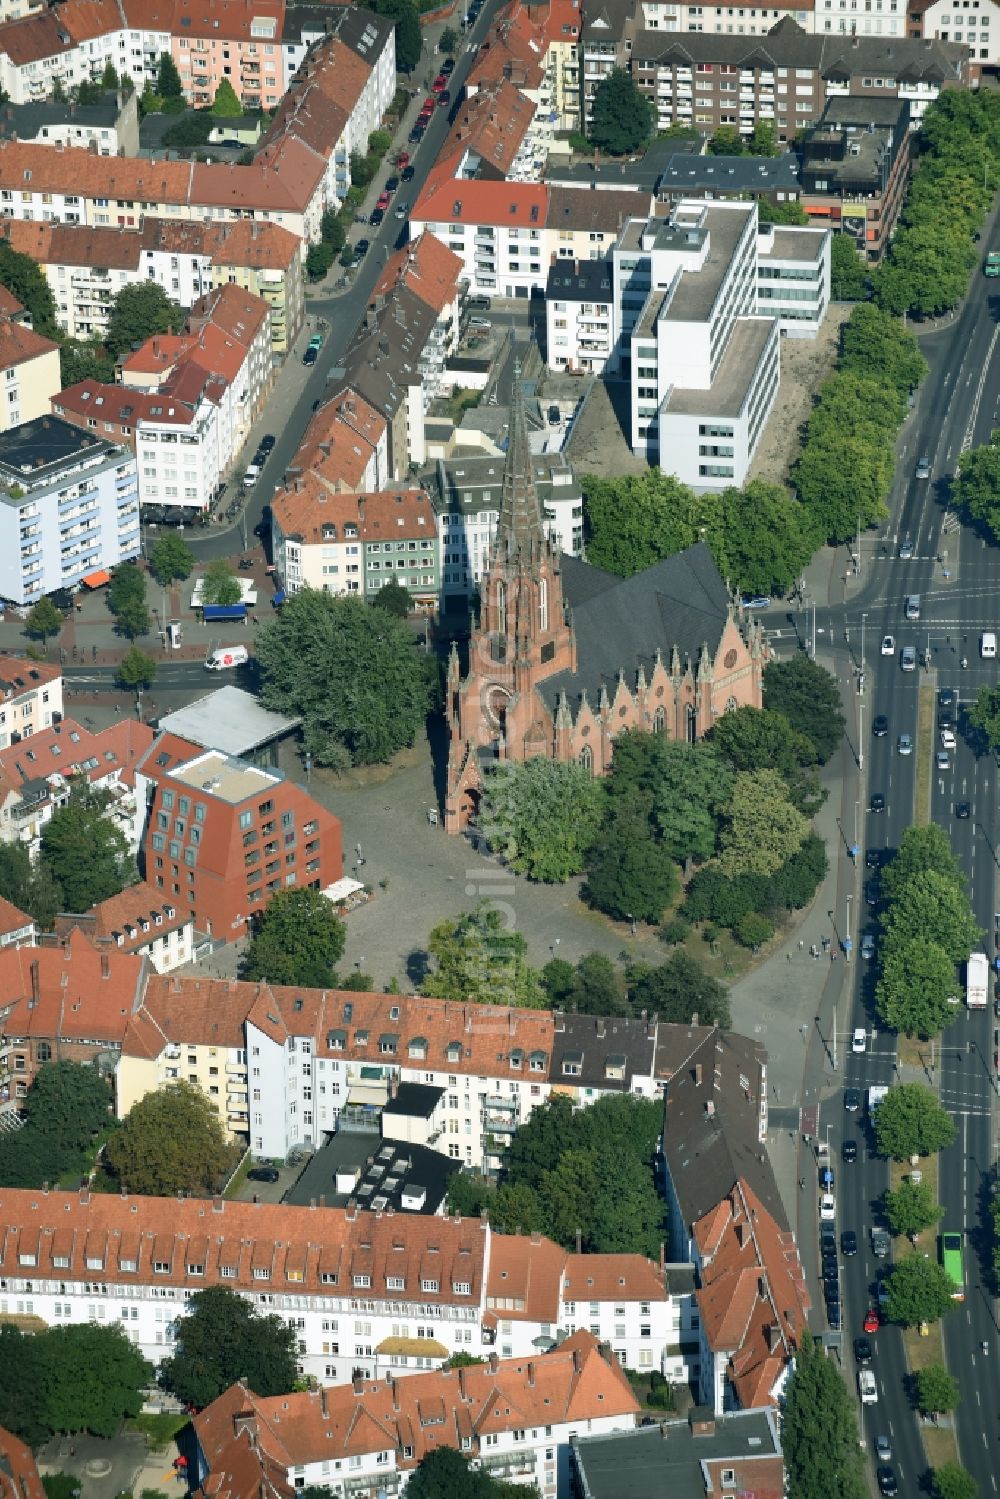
{"points": [[394, 598], [727, 141], [952, 1481], [763, 829], [807, 695], [849, 277], [824, 1458], [911, 1208], [678, 990], [27, 281], [915, 988], [133, 618], [226, 105], [983, 713], [224, 1339], [760, 739], [445, 1474], [319, 259], [633, 521], [449, 39], [109, 78], [763, 139], [937, 1390], [86, 853], [128, 583], [86, 359], [139, 311], [875, 344], [782, 213], [480, 958], [919, 1291], [170, 1141], [846, 463], [96, 1378], [136, 669], [630, 874], [932, 907], [541, 816], [761, 537], [409, 41], [921, 848], [170, 558], [332, 227], [168, 80], [909, 1121], [622, 119], [597, 987], [68, 1103], [220, 585], [43, 621], [298, 940], [693, 796], [351, 673], [976, 489], [30, 887], [558, 978]]}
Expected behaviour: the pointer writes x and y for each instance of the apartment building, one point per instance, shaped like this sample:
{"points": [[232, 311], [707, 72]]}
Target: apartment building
{"points": [[267, 262], [430, 272], [976, 25], [221, 835], [368, 1294], [512, 1418], [62, 1002], [17, 928], [31, 698], [385, 365], [536, 47], [855, 169], [579, 316], [702, 366], [793, 277], [29, 367], [69, 504], [784, 78], [109, 128], [701, 1456], [35, 774], [140, 922], [338, 542], [607, 38], [467, 498]]}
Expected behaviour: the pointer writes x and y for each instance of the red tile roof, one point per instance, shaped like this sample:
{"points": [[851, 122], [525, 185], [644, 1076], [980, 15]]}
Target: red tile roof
{"points": [[399, 513], [201, 1012], [65, 748], [122, 917], [19, 343], [18, 676], [515, 204], [12, 919], [427, 268], [18, 1474], [70, 990], [118, 404]]}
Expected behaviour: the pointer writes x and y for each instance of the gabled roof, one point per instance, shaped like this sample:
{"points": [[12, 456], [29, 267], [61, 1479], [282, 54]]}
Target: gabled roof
{"points": [[515, 204], [427, 268], [69, 991]]}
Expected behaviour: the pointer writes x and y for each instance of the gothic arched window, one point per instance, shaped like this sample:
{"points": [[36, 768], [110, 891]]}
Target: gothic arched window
{"points": [[587, 759]]}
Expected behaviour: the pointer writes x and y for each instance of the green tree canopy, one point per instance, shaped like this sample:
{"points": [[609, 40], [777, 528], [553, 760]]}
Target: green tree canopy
{"points": [[695, 790], [791, 213], [299, 940], [727, 141], [763, 829], [983, 713], [68, 1103], [109, 78], [30, 887], [170, 1141], [635, 520], [911, 1208], [932, 907], [219, 584], [596, 987], [409, 42], [136, 669], [952, 1481], [85, 852], [170, 558], [761, 537], [910, 1121], [875, 344], [976, 489], [845, 467], [128, 583], [27, 281], [541, 816], [807, 695], [394, 598], [44, 620], [351, 672], [445, 1474], [922, 847], [224, 1339], [919, 1291], [133, 618], [622, 117], [137, 312], [319, 259], [937, 1390], [761, 739], [915, 987], [95, 1378], [630, 873], [763, 139], [168, 80], [849, 276], [480, 958], [678, 990], [226, 104], [84, 359], [824, 1458]]}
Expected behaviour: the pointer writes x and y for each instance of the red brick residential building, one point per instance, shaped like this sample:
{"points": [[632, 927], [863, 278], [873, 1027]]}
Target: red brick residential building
{"points": [[222, 836]]}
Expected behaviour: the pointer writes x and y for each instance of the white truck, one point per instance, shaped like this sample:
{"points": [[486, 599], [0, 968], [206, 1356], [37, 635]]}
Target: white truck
{"points": [[977, 981], [876, 1093], [227, 656]]}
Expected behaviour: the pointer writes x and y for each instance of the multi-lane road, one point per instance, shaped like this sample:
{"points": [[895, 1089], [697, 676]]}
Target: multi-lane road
{"points": [[956, 575]]}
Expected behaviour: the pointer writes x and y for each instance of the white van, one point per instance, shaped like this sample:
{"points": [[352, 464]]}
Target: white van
{"points": [[227, 656], [251, 476], [988, 645], [867, 1388]]}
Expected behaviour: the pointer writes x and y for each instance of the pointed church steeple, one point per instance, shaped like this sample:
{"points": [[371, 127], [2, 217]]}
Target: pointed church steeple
{"points": [[520, 537]]}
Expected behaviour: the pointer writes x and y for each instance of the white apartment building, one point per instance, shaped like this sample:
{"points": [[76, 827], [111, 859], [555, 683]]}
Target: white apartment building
{"points": [[68, 506], [867, 18], [702, 366], [793, 277], [369, 1294], [579, 316], [179, 453]]}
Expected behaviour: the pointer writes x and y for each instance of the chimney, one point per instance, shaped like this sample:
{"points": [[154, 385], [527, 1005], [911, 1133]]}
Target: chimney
{"points": [[697, 1074], [494, 1362], [358, 1384], [531, 1374], [701, 1421], [577, 1361], [579, 1241], [105, 966], [36, 986]]}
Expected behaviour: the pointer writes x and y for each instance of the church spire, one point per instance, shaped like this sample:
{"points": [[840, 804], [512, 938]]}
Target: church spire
{"points": [[519, 534]]}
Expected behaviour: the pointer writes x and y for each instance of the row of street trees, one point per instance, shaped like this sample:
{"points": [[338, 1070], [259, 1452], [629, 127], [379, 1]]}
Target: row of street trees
{"points": [[928, 928]]}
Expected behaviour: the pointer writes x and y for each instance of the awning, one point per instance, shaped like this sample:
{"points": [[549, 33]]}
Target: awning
{"points": [[341, 889], [367, 1096], [412, 1348], [279, 597], [96, 579]]}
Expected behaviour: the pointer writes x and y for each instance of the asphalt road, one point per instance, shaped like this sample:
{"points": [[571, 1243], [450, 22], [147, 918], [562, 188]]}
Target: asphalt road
{"points": [[958, 407]]}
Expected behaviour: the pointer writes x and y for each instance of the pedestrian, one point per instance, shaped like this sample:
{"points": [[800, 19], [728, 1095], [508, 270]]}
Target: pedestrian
{"points": [[788, 956], [801, 944], [802, 1183], [833, 955]]}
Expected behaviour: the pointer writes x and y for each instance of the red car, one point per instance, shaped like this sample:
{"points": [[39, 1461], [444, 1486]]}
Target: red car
{"points": [[439, 83], [383, 201], [871, 1320], [402, 160], [428, 105]]}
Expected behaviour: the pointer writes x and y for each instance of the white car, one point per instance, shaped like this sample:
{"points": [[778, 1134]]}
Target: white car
{"points": [[859, 1040], [943, 760], [888, 645], [867, 1388], [827, 1208], [948, 739]]}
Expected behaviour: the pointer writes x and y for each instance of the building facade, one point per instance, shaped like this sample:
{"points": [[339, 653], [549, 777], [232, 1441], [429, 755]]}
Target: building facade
{"points": [[29, 368], [31, 698]]}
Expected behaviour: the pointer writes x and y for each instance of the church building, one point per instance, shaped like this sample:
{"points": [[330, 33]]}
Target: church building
{"points": [[565, 656]]}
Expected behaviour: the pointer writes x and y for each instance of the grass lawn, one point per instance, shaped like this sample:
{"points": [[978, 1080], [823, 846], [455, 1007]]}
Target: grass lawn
{"points": [[159, 1429], [925, 755], [461, 401]]}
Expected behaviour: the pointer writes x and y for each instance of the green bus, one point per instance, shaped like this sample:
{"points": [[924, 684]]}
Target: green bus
{"points": [[950, 1250]]}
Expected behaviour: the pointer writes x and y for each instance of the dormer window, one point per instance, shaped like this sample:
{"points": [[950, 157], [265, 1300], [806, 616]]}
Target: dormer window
{"points": [[362, 1282]]}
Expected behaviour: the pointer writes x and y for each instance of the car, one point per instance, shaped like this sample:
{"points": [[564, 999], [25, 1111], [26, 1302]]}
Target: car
{"points": [[873, 858], [831, 1267], [448, 66], [880, 726], [883, 1449], [885, 1477], [868, 946], [852, 1100], [440, 82], [948, 738], [316, 342], [555, 416], [871, 1322], [862, 1352], [905, 550], [888, 645], [392, 184], [756, 601], [827, 1207], [309, 357], [904, 744], [428, 105], [383, 201], [876, 802], [872, 891], [962, 811], [942, 760], [946, 719], [867, 1388], [908, 659], [378, 215], [923, 470], [833, 1314], [482, 323], [848, 1243], [444, 98], [408, 174], [402, 160], [947, 697], [267, 443], [849, 1152], [880, 1244], [401, 210], [831, 1291], [262, 1174], [859, 1040], [416, 135], [362, 247]]}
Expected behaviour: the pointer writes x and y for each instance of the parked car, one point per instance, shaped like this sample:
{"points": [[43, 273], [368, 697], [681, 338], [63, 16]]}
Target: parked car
{"points": [[448, 66], [862, 1352], [262, 1174], [267, 442], [408, 174], [361, 248], [444, 98], [378, 214], [439, 83], [392, 184], [827, 1207], [848, 1243], [868, 946], [309, 357], [383, 202], [428, 105]]}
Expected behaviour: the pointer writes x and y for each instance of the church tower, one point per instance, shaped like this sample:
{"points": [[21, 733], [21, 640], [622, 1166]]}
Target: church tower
{"points": [[521, 639]]}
